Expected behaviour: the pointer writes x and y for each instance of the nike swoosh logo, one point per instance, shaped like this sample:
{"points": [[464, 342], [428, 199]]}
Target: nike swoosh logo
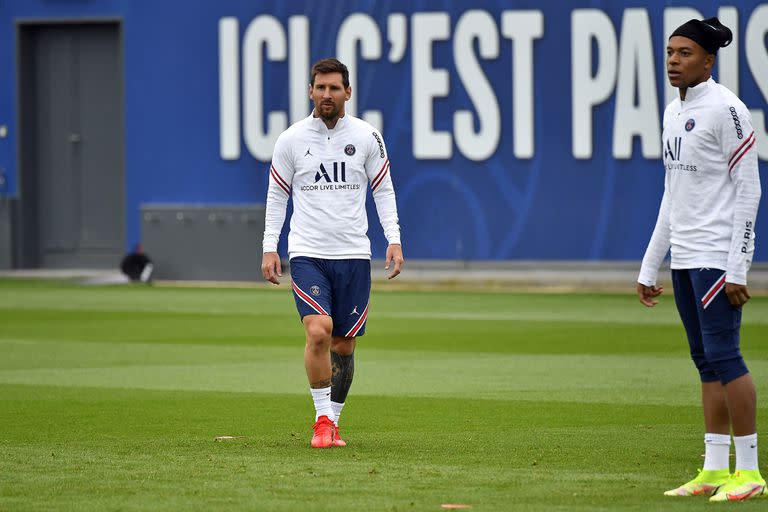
{"points": [[747, 494]]}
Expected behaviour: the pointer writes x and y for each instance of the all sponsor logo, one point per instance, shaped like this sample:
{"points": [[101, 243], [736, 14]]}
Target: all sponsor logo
{"points": [[331, 179], [672, 151], [736, 123], [322, 174]]}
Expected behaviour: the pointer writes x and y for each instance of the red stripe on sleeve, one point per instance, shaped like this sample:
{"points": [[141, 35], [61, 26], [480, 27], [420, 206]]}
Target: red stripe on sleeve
{"points": [[279, 178], [278, 181], [373, 189], [380, 178], [380, 171], [751, 137], [746, 150]]}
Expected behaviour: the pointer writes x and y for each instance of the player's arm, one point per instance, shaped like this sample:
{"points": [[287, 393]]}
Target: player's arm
{"points": [[657, 249], [380, 180], [280, 178], [740, 149]]}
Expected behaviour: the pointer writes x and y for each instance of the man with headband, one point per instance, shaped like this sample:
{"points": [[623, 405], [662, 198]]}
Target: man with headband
{"points": [[707, 217]]}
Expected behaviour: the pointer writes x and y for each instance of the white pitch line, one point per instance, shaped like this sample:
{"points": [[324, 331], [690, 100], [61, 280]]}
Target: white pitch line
{"points": [[638, 317]]}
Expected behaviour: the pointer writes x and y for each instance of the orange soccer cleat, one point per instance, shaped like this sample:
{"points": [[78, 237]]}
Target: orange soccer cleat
{"points": [[337, 440], [323, 436]]}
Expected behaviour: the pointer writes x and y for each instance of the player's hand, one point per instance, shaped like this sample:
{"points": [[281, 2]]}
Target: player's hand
{"points": [[394, 254], [271, 267], [738, 295], [646, 294]]}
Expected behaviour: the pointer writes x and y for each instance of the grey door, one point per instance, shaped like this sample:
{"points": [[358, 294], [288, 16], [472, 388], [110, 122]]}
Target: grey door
{"points": [[72, 183]]}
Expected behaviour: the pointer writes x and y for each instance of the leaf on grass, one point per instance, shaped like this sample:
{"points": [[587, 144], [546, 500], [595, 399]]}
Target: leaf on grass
{"points": [[228, 438]]}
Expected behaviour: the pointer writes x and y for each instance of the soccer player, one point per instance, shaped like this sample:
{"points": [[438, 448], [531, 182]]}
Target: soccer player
{"points": [[326, 162], [707, 216]]}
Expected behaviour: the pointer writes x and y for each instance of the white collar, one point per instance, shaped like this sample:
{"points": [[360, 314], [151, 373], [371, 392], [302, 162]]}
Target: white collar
{"points": [[318, 124], [697, 92]]}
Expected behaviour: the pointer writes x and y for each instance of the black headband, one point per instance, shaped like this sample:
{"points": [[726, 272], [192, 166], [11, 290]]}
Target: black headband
{"points": [[710, 34]]}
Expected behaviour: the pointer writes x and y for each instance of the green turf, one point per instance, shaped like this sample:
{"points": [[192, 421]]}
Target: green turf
{"points": [[111, 397]]}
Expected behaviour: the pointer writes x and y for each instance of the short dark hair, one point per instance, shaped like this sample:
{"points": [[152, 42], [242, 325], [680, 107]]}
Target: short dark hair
{"points": [[324, 66]]}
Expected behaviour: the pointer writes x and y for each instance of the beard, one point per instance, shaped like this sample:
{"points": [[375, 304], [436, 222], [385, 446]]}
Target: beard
{"points": [[328, 112]]}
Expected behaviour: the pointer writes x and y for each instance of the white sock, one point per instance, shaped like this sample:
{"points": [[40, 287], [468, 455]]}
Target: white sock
{"points": [[322, 399], [717, 447], [746, 452], [337, 407]]}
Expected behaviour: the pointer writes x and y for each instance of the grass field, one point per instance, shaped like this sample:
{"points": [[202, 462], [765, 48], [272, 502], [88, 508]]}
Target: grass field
{"points": [[111, 397]]}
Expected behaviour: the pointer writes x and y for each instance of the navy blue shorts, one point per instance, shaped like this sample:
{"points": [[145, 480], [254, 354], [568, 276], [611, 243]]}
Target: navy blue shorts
{"points": [[337, 288], [711, 323]]}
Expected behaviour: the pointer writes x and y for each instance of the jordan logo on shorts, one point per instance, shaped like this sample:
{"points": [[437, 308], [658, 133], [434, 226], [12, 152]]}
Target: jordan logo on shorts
{"points": [[354, 312], [308, 153]]}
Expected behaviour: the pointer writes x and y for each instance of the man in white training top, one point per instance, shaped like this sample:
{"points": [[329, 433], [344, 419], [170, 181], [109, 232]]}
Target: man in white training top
{"points": [[326, 163], [707, 216]]}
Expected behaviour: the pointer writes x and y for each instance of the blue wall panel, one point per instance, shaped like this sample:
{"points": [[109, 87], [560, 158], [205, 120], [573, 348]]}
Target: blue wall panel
{"points": [[549, 206]]}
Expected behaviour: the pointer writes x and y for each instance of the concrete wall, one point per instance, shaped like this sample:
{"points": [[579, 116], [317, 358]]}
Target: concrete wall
{"points": [[210, 242]]}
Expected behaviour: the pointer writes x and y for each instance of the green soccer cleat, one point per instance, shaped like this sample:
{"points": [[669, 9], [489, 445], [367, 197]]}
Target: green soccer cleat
{"points": [[706, 482], [743, 485]]}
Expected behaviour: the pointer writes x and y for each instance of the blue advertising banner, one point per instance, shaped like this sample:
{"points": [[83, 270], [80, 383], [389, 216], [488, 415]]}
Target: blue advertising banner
{"points": [[525, 130]]}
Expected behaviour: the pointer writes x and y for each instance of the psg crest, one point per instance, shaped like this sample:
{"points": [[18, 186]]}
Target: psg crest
{"points": [[689, 124], [349, 150], [315, 290]]}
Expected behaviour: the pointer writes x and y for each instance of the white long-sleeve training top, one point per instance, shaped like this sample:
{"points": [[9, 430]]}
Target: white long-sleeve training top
{"points": [[711, 187], [327, 172]]}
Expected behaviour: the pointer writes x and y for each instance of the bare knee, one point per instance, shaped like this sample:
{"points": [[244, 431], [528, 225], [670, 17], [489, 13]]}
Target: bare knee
{"points": [[343, 346], [318, 331]]}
